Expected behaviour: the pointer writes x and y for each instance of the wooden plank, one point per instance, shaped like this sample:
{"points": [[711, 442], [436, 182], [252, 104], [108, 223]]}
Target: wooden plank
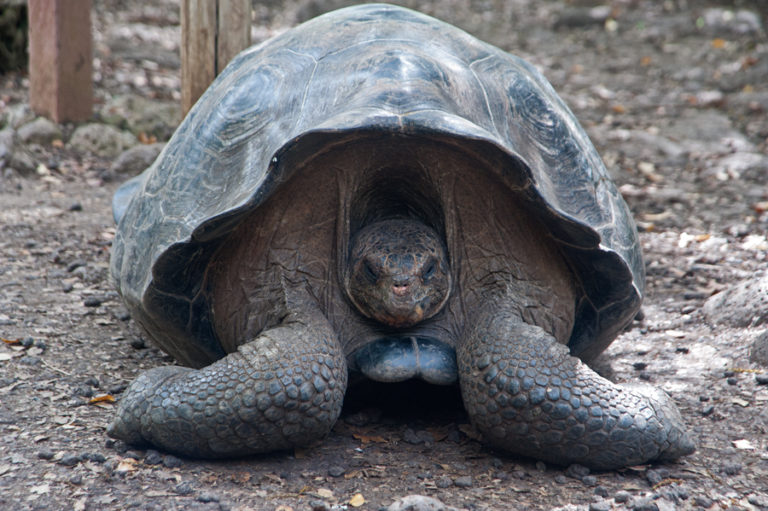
{"points": [[198, 49], [60, 59], [212, 33], [234, 30]]}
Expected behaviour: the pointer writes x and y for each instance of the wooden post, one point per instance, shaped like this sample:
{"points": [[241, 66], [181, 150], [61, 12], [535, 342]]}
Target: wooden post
{"points": [[60, 59], [212, 33]]}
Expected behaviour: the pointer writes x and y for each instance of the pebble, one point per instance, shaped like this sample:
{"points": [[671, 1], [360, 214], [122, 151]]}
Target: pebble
{"points": [[83, 391], [95, 457], [40, 131], [171, 461], [45, 454], [183, 488], [364, 417], [731, 469], [69, 460], [101, 140], [463, 481], [589, 480], [762, 378], [117, 388], [561, 479], [444, 482], [732, 381], [76, 479], [153, 457], [654, 477], [418, 437], [644, 504], [416, 503], [319, 505], [30, 360], [622, 496], [639, 366], [601, 491], [577, 471], [758, 500], [93, 301], [135, 455], [27, 342], [336, 471], [138, 343], [707, 410], [702, 501], [603, 505], [207, 497], [134, 160]]}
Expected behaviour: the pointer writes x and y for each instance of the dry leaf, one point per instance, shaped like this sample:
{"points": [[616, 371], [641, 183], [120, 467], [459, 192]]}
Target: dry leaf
{"points": [[241, 477], [743, 444], [40, 489], [11, 341], [102, 398], [126, 465], [146, 139], [357, 500], [470, 431], [367, 439], [619, 109], [324, 493], [718, 43], [645, 61]]}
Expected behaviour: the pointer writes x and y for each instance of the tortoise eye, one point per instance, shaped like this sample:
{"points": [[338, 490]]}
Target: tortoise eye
{"points": [[429, 271], [370, 272]]}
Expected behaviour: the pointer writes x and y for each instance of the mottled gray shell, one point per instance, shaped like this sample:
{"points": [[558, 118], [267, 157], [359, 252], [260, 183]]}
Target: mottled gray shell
{"points": [[365, 68]]}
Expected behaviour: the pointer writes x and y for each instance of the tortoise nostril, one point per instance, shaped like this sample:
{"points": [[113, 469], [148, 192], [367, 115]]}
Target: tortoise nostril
{"points": [[400, 289]]}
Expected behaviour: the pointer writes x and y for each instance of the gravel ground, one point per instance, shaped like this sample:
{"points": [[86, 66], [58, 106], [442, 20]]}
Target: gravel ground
{"points": [[674, 95]]}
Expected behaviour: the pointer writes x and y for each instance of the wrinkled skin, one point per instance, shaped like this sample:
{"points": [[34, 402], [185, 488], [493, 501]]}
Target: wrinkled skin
{"points": [[398, 273], [294, 319]]}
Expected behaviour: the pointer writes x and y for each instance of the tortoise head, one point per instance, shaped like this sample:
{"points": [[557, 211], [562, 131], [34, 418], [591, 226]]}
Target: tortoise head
{"points": [[398, 272]]}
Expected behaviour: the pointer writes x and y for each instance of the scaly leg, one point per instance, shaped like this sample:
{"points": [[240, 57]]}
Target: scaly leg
{"points": [[528, 395], [281, 390]]}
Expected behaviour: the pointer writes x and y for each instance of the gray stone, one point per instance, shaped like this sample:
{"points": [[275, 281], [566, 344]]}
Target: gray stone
{"points": [[644, 504], [102, 140], [743, 21], [135, 160], [463, 481], [758, 353], [40, 131], [142, 115], [13, 155], [743, 305], [418, 503], [17, 115], [603, 505]]}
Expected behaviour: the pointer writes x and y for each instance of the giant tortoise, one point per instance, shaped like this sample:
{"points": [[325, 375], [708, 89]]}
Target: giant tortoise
{"points": [[378, 192]]}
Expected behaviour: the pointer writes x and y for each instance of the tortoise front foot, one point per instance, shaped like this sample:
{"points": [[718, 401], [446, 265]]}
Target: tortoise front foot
{"points": [[282, 390], [528, 395]]}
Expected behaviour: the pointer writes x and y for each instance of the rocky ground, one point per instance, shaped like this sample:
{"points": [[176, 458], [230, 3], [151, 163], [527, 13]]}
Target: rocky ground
{"points": [[675, 96]]}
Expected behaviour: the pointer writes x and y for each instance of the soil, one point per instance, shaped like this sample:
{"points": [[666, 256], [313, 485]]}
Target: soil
{"points": [[674, 95]]}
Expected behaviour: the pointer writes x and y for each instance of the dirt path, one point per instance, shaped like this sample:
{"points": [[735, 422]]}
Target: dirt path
{"points": [[675, 97]]}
